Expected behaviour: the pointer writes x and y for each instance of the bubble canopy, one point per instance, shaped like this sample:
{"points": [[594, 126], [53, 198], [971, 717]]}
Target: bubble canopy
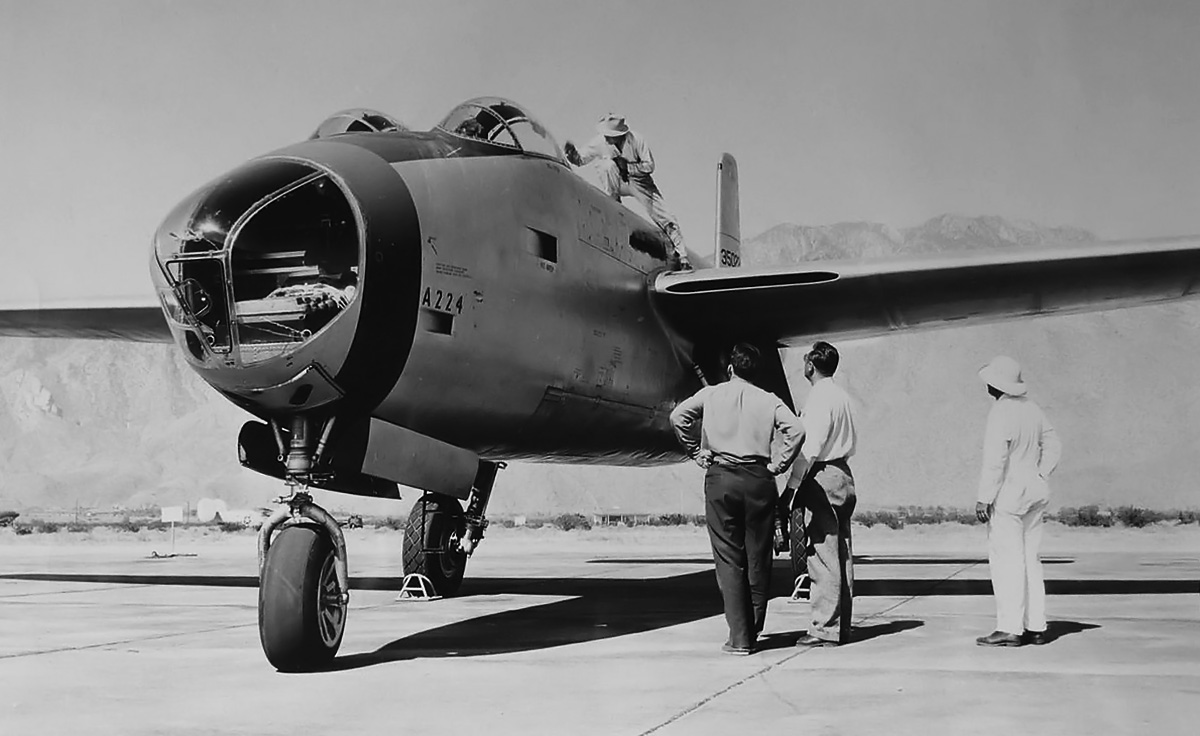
{"points": [[501, 122]]}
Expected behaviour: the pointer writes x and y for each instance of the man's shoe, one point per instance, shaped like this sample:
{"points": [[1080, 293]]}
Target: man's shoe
{"points": [[1037, 638], [728, 648], [808, 640], [999, 639]]}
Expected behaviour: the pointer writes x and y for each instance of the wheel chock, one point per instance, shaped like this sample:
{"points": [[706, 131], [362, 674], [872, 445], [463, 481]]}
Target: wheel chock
{"points": [[417, 587], [800, 592]]}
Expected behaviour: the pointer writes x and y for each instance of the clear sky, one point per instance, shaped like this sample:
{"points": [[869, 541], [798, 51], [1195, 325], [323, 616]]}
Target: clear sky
{"points": [[1083, 113]]}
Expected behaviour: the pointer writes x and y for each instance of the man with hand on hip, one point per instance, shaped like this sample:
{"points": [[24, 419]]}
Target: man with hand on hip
{"points": [[729, 428]]}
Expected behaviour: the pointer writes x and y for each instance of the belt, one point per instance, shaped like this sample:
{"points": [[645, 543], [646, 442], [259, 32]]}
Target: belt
{"points": [[718, 460], [839, 462]]}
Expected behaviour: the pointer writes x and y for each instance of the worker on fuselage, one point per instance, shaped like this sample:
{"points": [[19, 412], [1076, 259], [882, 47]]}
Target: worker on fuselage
{"points": [[626, 166]]}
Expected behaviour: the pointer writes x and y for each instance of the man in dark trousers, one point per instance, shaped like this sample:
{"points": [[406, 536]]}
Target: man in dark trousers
{"points": [[728, 429], [822, 484]]}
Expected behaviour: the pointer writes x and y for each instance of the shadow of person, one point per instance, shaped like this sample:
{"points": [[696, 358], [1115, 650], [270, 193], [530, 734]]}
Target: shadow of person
{"points": [[1058, 629], [866, 633], [857, 633]]}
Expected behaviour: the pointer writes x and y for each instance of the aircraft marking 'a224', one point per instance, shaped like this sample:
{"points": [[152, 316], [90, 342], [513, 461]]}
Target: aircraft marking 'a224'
{"points": [[415, 308]]}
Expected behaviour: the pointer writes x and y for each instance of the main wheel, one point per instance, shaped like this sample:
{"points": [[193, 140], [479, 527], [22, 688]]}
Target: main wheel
{"points": [[301, 613], [431, 542], [798, 544]]}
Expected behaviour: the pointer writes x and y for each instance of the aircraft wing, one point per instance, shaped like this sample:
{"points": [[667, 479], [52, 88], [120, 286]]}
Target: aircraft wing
{"points": [[835, 300], [98, 321]]}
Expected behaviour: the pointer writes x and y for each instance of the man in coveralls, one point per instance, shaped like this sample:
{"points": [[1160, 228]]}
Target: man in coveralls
{"points": [[728, 428], [626, 165], [1020, 451]]}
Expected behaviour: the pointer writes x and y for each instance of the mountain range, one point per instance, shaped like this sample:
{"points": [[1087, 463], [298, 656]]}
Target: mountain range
{"points": [[112, 424]]}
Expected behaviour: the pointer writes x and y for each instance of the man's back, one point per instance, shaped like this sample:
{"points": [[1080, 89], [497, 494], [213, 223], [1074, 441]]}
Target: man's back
{"points": [[738, 421], [1019, 446], [829, 432]]}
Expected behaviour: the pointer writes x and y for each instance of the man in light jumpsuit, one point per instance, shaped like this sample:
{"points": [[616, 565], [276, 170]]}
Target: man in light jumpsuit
{"points": [[1020, 450], [821, 483], [625, 167]]}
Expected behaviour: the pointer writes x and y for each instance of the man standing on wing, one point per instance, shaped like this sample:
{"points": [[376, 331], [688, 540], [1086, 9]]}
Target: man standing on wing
{"points": [[1020, 451], [821, 483], [728, 428]]}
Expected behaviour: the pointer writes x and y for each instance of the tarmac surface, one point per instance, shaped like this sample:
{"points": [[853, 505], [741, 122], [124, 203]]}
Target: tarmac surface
{"points": [[600, 632]]}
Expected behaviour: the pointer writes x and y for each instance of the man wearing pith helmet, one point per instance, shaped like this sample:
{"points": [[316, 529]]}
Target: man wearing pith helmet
{"points": [[1020, 451], [625, 168]]}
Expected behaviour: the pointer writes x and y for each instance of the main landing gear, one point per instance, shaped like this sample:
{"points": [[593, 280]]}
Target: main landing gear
{"points": [[439, 536], [304, 584]]}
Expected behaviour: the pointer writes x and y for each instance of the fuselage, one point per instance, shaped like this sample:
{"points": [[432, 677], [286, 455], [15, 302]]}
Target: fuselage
{"points": [[486, 297]]}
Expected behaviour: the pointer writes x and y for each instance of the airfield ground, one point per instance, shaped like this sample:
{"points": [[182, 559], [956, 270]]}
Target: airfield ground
{"points": [[609, 631]]}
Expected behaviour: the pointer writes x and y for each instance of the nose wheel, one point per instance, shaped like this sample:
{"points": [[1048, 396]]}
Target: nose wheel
{"points": [[301, 606]]}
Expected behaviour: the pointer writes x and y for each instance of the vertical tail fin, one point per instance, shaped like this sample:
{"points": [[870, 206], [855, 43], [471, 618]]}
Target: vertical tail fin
{"points": [[729, 228]]}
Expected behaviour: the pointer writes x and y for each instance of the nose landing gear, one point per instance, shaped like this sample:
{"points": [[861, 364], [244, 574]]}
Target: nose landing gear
{"points": [[304, 583]]}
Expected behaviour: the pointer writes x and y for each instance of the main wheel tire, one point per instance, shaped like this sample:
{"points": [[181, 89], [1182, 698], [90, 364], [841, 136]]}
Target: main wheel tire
{"points": [[431, 542], [301, 613], [798, 546]]}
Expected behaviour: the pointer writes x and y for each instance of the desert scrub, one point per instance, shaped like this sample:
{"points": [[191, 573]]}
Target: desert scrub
{"points": [[567, 522]]}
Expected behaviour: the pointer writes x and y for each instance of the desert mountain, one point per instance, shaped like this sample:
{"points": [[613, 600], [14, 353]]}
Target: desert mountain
{"points": [[103, 424]]}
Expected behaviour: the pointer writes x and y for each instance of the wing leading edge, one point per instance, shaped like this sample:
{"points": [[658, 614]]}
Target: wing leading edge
{"points": [[136, 323], [852, 299]]}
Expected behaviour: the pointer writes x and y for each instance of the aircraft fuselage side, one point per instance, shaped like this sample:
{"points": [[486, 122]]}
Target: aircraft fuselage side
{"points": [[536, 337]]}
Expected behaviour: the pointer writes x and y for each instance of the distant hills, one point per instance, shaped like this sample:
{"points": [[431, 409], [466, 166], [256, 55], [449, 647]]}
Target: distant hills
{"points": [[103, 424], [789, 243]]}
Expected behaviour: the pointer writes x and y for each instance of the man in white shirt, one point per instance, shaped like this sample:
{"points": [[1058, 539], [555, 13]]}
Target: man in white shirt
{"points": [[744, 436], [1020, 451], [821, 483], [625, 166]]}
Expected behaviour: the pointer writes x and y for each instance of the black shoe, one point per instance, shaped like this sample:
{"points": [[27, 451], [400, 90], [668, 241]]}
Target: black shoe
{"points": [[999, 639], [809, 640], [1037, 638]]}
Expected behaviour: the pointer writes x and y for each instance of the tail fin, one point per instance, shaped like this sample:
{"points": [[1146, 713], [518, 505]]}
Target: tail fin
{"points": [[729, 228]]}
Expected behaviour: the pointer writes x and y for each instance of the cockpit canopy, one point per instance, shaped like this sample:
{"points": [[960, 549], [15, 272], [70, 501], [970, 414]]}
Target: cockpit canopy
{"points": [[357, 120], [501, 122]]}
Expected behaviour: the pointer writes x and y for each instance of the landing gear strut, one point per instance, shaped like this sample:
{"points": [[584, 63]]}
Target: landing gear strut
{"points": [[439, 536], [304, 584]]}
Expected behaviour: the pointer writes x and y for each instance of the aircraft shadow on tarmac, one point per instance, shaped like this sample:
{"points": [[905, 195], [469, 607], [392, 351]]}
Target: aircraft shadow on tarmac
{"points": [[598, 609]]}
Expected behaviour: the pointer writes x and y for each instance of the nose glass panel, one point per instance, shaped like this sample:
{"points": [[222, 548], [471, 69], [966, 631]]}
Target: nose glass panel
{"points": [[258, 262]]}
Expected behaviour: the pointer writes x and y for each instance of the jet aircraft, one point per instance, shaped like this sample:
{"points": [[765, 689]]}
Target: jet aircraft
{"points": [[398, 307]]}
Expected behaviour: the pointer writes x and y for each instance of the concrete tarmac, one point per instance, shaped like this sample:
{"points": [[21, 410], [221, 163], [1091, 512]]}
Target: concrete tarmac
{"points": [[601, 632]]}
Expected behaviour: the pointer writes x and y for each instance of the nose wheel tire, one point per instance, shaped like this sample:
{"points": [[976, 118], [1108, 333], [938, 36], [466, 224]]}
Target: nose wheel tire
{"points": [[431, 542], [301, 609]]}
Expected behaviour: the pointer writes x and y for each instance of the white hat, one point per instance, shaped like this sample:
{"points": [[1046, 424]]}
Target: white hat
{"points": [[1003, 374], [612, 125]]}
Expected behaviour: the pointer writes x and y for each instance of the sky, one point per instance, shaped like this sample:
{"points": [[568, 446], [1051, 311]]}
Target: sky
{"points": [[1082, 113]]}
